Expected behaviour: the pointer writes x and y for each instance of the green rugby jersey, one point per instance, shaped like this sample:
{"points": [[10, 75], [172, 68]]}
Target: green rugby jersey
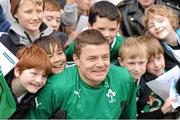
{"points": [[113, 99]]}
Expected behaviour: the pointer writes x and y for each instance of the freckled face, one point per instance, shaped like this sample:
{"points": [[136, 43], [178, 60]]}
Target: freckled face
{"points": [[31, 79], [160, 27]]}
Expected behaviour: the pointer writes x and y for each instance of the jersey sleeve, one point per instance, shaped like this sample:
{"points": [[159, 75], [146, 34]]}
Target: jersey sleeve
{"points": [[46, 104], [129, 110]]}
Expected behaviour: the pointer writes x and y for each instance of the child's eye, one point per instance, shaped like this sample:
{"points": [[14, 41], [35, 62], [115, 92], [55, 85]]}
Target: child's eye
{"points": [[48, 18], [159, 58], [39, 11], [60, 52], [50, 55], [141, 63], [33, 73], [28, 11], [150, 25], [101, 29], [160, 20], [44, 75], [112, 29], [131, 63]]}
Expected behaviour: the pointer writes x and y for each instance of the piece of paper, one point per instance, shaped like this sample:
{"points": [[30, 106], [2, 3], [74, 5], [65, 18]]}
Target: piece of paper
{"points": [[82, 23], [174, 95], [176, 54], [162, 85], [7, 60]]}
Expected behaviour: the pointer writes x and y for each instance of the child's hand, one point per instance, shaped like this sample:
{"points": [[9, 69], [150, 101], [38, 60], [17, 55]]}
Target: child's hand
{"points": [[167, 107], [151, 100]]}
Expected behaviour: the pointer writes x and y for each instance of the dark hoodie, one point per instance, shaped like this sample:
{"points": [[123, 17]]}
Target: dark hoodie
{"points": [[17, 37], [144, 93]]}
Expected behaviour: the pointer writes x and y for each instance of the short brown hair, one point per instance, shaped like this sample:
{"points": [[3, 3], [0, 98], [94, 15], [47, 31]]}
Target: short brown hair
{"points": [[52, 5], [33, 57], [90, 36], [163, 11], [153, 46], [46, 42]]}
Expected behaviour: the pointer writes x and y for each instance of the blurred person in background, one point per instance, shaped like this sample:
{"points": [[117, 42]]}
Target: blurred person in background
{"points": [[133, 11]]}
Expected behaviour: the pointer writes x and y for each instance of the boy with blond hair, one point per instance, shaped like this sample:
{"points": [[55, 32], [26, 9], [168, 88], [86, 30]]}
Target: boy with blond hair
{"points": [[133, 55]]}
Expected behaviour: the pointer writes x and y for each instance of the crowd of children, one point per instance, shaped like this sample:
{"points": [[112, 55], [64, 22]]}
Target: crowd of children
{"points": [[99, 73]]}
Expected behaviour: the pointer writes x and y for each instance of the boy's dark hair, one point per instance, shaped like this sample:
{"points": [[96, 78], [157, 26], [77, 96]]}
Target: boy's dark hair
{"points": [[46, 42], [104, 9], [88, 37]]}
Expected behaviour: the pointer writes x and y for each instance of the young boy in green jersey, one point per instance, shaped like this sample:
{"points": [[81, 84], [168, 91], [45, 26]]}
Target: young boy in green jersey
{"points": [[104, 17], [78, 88]]}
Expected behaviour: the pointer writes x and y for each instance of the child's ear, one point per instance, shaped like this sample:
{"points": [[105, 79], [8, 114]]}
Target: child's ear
{"points": [[16, 72], [76, 59], [89, 26], [15, 16], [120, 61], [118, 26]]}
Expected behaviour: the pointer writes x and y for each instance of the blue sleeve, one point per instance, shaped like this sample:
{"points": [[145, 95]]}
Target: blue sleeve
{"points": [[4, 24]]}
